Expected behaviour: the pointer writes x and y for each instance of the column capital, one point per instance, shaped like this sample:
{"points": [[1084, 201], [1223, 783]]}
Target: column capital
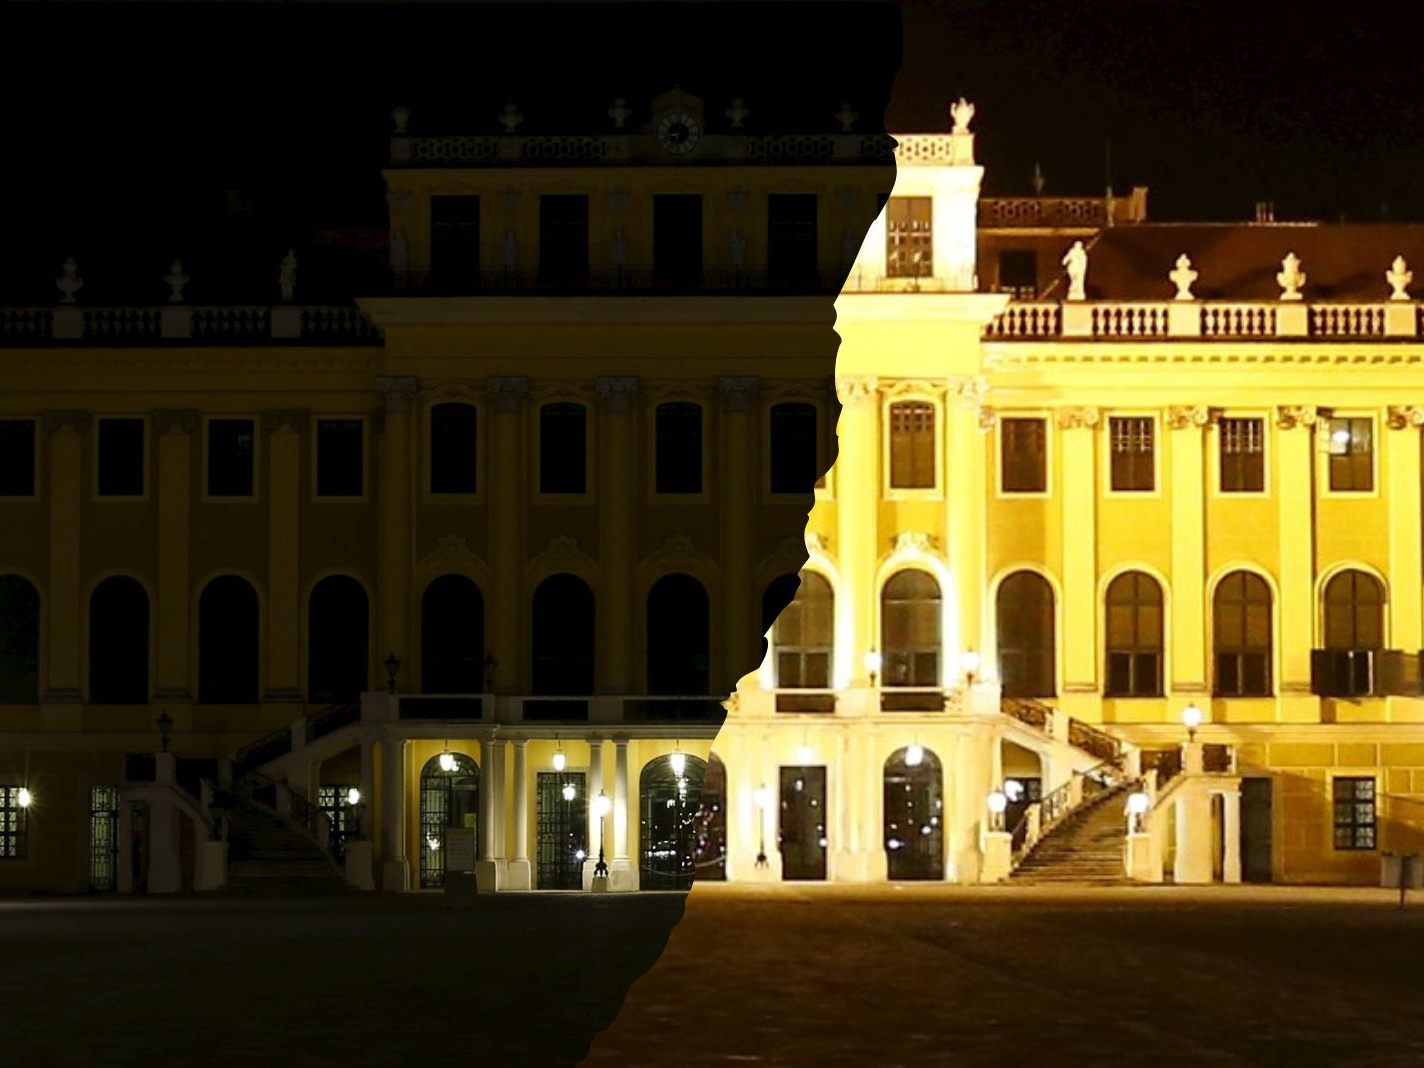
{"points": [[166, 419], [399, 391], [507, 392], [1290, 416], [969, 390], [1404, 416], [737, 391], [76, 419], [988, 417], [293, 419], [1077, 417], [1188, 416], [856, 389], [617, 392]]}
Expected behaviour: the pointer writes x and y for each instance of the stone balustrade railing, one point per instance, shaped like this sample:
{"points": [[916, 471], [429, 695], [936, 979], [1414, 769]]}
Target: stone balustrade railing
{"points": [[1129, 320], [566, 149], [278, 324]]}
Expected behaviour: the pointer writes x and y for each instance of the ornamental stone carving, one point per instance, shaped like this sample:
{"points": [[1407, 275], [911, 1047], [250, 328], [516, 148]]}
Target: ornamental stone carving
{"points": [[913, 541], [1291, 277], [619, 112], [508, 392], [856, 389], [293, 419], [1183, 277], [176, 280], [737, 112], [510, 118], [1075, 261], [450, 555], [69, 282], [563, 546], [815, 543], [166, 419], [287, 276], [1078, 417], [1290, 416], [961, 112], [1186, 416], [970, 391], [75, 419], [846, 116], [988, 418], [677, 546], [1403, 416], [737, 392], [617, 392], [400, 115], [398, 391], [1399, 276]]}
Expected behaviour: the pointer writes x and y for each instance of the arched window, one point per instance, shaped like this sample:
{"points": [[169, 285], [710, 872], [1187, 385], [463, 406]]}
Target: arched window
{"points": [[669, 830], [19, 641], [1241, 629], [804, 637], [118, 642], [1134, 636], [563, 636], [678, 636], [452, 636], [1024, 617], [710, 846], [912, 445], [449, 797], [338, 640], [563, 447], [910, 629], [914, 814], [1354, 611], [229, 632], [454, 444]]}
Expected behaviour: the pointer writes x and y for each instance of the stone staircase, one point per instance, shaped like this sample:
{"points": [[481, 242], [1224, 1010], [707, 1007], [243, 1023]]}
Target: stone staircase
{"points": [[269, 857], [1086, 848]]}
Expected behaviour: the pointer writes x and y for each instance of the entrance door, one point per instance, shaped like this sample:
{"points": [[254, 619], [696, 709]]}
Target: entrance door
{"points": [[1256, 830], [803, 823], [562, 830], [103, 837]]}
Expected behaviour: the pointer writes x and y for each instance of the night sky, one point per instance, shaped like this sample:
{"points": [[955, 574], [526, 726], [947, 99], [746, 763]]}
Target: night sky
{"points": [[129, 121]]}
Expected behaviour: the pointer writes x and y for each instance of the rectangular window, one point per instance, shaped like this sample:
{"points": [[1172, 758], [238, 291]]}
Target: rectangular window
{"points": [[912, 445], [1351, 455], [791, 238], [454, 243], [1018, 271], [121, 458], [231, 444], [340, 460], [909, 247], [1133, 468], [1354, 799], [563, 238], [1243, 455], [563, 446], [454, 441], [677, 239], [13, 845], [17, 457], [679, 448], [1023, 455], [793, 448]]}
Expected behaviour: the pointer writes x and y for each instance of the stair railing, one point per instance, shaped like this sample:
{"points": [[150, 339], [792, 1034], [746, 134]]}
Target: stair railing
{"points": [[1057, 805], [309, 817]]}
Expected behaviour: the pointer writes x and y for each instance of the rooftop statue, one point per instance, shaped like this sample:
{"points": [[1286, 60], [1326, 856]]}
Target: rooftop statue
{"points": [[287, 276], [176, 280], [1291, 277], [69, 283], [510, 118], [1076, 261], [846, 116], [1183, 277], [1399, 276], [619, 112], [737, 112], [961, 111]]}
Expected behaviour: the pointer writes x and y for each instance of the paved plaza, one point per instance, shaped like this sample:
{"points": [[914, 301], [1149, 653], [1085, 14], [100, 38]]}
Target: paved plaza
{"points": [[784, 975]]}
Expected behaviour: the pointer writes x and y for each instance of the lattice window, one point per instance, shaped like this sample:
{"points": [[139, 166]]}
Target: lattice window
{"points": [[13, 824], [909, 238], [912, 445], [1023, 455], [1351, 455], [1355, 812], [1132, 441]]}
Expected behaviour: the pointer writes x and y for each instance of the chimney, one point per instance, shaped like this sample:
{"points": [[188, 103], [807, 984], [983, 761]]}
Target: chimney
{"points": [[1265, 211]]}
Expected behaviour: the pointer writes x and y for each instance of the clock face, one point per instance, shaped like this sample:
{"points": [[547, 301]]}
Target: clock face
{"points": [[678, 132]]}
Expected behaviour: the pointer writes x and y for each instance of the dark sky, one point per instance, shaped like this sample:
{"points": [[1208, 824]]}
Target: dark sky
{"points": [[129, 120]]}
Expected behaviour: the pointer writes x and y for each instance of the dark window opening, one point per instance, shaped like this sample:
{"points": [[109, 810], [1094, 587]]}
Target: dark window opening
{"points": [[340, 465], [912, 445], [1243, 455], [1355, 814], [679, 448], [791, 238], [794, 459], [454, 243], [1018, 271], [563, 448], [1134, 636], [231, 451], [1132, 444], [677, 239], [909, 242], [121, 457], [1024, 455], [563, 238], [1351, 455], [17, 458], [453, 448]]}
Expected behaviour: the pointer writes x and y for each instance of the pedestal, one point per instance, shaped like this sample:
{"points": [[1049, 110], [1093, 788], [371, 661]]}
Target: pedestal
{"points": [[358, 869], [998, 856], [518, 875], [395, 875], [1141, 859], [210, 865], [488, 876], [622, 876]]}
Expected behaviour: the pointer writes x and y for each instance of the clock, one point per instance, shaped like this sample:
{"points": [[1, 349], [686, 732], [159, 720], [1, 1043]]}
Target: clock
{"points": [[678, 132]]}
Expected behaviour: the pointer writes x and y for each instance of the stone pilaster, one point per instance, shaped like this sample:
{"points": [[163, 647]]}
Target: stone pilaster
{"points": [[617, 508], [507, 489], [738, 510], [395, 504], [68, 432], [284, 431], [174, 431]]}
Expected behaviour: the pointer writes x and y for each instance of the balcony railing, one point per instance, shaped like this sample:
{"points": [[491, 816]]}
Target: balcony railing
{"points": [[563, 150], [1353, 673], [628, 280], [282, 324], [1216, 320]]}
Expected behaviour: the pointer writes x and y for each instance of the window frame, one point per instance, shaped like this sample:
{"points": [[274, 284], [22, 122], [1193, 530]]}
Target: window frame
{"points": [[1323, 456], [20, 836], [1217, 454], [256, 495], [1272, 639], [890, 492], [590, 436], [890, 272], [35, 437], [1158, 443], [317, 418], [1105, 651], [656, 402], [147, 457], [1334, 824], [427, 451], [942, 666], [1048, 456], [775, 648], [768, 440]]}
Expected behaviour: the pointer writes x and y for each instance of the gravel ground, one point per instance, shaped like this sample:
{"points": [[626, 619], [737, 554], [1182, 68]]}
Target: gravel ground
{"points": [[1168, 976]]}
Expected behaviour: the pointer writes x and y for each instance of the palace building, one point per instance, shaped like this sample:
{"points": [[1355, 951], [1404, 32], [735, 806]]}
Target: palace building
{"points": [[1117, 574]]}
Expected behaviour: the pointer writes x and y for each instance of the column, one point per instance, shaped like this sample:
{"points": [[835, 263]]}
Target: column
{"points": [[519, 875], [68, 433], [1185, 427], [857, 511], [284, 494], [396, 489], [506, 476], [394, 872], [965, 498], [1402, 472], [487, 838], [368, 788], [174, 430], [617, 490], [1295, 475], [596, 781], [623, 873], [738, 501], [1078, 499], [497, 810], [1231, 836]]}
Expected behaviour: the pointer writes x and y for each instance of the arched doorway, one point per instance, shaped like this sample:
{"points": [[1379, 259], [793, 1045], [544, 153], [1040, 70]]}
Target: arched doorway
{"points": [[449, 797], [668, 833], [452, 636], [338, 640], [710, 843], [914, 815]]}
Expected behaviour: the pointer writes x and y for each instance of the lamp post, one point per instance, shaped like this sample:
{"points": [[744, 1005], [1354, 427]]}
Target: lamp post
{"points": [[969, 664], [165, 728], [392, 664], [601, 805], [1191, 719], [353, 802], [762, 797], [560, 761], [998, 801], [1137, 805], [873, 661]]}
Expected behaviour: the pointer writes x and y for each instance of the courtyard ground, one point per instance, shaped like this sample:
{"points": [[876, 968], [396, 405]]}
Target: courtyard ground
{"points": [[761, 976]]}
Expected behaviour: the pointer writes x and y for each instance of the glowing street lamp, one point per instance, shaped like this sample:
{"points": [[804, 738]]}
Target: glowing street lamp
{"points": [[1013, 789], [447, 762], [873, 660], [601, 805], [1137, 804], [969, 664], [25, 798], [560, 761], [914, 755], [569, 791], [678, 761], [762, 797], [1191, 719], [998, 801], [353, 801]]}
